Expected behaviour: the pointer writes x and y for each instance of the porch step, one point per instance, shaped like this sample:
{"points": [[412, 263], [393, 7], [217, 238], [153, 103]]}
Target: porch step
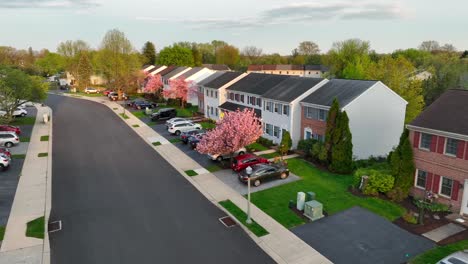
{"points": [[443, 232], [268, 151]]}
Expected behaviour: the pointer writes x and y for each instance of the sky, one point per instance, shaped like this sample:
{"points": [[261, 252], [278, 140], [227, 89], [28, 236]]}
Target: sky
{"points": [[273, 25]]}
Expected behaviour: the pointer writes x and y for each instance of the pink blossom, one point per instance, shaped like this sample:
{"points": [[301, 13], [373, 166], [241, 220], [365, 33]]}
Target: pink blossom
{"points": [[153, 84]]}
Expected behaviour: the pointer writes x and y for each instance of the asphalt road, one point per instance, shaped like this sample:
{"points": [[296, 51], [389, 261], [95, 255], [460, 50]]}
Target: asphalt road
{"points": [[120, 202]]}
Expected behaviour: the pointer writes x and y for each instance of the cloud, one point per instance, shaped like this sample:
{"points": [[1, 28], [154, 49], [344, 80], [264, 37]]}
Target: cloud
{"points": [[306, 12], [23, 4]]}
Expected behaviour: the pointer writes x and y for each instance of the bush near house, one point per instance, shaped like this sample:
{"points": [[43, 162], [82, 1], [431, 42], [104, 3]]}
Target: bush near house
{"points": [[265, 142]]}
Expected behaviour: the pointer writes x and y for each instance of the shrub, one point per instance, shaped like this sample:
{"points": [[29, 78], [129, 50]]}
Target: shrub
{"points": [[397, 194], [265, 142], [358, 175], [306, 145], [286, 143], [410, 218], [379, 182]]}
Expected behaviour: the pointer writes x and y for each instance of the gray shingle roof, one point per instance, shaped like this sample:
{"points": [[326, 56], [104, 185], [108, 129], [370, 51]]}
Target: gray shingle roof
{"points": [[223, 79], [211, 78], [191, 72], [291, 88], [167, 70], [217, 67], [175, 72], [233, 107], [257, 83], [448, 113], [343, 90]]}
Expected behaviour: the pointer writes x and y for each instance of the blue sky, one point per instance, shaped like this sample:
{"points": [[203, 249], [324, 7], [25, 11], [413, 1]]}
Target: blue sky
{"points": [[273, 25]]}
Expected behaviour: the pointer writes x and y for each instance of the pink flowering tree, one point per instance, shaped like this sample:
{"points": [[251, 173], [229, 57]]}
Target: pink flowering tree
{"points": [[153, 84], [179, 89], [234, 131]]}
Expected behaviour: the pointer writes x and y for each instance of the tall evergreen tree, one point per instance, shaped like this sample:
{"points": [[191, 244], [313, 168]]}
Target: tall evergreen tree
{"points": [[331, 126], [286, 143], [342, 150], [84, 71], [149, 53], [403, 168]]}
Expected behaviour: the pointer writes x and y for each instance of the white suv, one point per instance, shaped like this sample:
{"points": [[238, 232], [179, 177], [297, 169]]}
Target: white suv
{"points": [[179, 127], [8, 139], [175, 120], [89, 90], [4, 161], [17, 112]]}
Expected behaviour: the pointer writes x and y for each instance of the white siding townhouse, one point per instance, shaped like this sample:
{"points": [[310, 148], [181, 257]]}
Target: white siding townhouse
{"points": [[193, 77], [201, 91]]}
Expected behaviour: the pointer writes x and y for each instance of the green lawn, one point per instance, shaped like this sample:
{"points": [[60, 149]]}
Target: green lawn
{"points": [[157, 143], [187, 111], [89, 95], [174, 140], [139, 114], [44, 154], [256, 147], [18, 156], [207, 125], [152, 123], [331, 191], [191, 173], [124, 116], [25, 139], [271, 155], [257, 229], [27, 120], [2, 232], [35, 228], [438, 253], [213, 168], [44, 138]]}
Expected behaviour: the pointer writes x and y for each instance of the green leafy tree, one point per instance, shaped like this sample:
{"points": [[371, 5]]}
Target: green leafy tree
{"points": [[228, 55], [333, 114], [286, 143], [342, 149], [16, 86], [84, 71], [347, 58], [50, 64], [149, 53], [176, 55], [402, 167], [417, 57]]}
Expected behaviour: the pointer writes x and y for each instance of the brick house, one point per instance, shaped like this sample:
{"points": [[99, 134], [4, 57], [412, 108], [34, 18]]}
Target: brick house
{"points": [[376, 114], [439, 136]]}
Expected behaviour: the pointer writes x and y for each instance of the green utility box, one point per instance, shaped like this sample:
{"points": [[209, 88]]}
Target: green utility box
{"points": [[313, 210], [310, 196]]}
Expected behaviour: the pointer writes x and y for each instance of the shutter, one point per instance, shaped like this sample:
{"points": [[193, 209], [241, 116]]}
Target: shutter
{"points": [[455, 187], [435, 184], [428, 181], [416, 139], [433, 143], [440, 145], [461, 149], [466, 151]]}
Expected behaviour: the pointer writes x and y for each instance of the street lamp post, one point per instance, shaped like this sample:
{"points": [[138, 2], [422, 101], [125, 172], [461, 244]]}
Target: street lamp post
{"points": [[248, 170]]}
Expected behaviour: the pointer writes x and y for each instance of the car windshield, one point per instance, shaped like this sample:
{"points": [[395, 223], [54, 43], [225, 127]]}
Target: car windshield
{"points": [[456, 261]]}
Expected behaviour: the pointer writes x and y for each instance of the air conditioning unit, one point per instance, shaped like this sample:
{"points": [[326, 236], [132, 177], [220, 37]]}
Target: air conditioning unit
{"points": [[313, 210]]}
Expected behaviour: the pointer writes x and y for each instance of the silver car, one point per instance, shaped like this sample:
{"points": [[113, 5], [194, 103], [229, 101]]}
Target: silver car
{"points": [[460, 257], [8, 139], [220, 157], [4, 161]]}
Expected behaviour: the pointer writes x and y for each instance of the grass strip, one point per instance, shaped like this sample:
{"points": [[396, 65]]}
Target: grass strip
{"points": [[43, 154], [35, 228], [124, 116], [18, 156], [25, 139], [2, 232], [157, 143], [213, 168], [44, 138], [257, 229], [271, 155], [135, 125], [27, 120], [440, 252], [174, 140], [191, 173]]}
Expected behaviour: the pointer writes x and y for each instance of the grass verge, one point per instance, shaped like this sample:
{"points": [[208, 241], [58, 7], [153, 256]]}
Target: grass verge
{"points": [[440, 252], [157, 143], [44, 138], [124, 116], [18, 156], [25, 139], [213, 168], [135, 125], [88, 95], [139, 114], [35, 228], [115, 108], [43, 154], [271, 155], [331, 190], [2, 232], [257, 229], [191, 173], [27, 120], [174, 140]]}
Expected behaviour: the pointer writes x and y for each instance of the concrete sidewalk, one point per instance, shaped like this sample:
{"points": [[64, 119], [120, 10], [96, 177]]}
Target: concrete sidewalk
{"points": [[32, 199], [281, 244]]}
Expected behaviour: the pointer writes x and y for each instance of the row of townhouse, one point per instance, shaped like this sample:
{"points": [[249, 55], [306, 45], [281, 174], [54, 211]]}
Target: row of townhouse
{"points": [[300, 105], [439, 136], [289, 69]]}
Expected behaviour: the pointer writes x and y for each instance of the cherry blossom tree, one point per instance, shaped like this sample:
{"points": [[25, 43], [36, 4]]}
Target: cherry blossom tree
{"points": [[153, 84], [179, 89], [234, 131]]}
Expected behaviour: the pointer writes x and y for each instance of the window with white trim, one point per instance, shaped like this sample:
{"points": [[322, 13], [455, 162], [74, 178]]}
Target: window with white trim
{"points": [[259, 102], [211, 93], [216, 94], [425, 142], [276, 131], [451, 147], [207, 92], [286, 110], [446, 187], [421, 178], [278, 108], [315, 113], [269, 129], [308, 135], [269, 106]]}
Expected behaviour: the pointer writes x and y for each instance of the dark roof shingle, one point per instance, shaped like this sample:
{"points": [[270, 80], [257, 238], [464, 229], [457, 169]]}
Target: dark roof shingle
{"points": [[175, 72], [211, 78], [233, 107], [191, 72], [343, 90], [167, 70], [291, 88], [257, 83], [217, 67], [223, 79], [448, 113]]}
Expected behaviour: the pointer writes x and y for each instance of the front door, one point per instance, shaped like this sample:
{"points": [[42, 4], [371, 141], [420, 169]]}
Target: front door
{"points": [[464, 206]]}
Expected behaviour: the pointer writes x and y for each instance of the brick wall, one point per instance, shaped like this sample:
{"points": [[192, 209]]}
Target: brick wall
{"points": [[318, 127]]}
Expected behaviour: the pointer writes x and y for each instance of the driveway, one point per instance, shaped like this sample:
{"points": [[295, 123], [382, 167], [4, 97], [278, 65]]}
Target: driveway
{"points": [[359, 236], [120, 202]]}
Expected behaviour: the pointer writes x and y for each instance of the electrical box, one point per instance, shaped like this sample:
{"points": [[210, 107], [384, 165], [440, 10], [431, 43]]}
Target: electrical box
{"points": [[313, 210], [300, 201]]}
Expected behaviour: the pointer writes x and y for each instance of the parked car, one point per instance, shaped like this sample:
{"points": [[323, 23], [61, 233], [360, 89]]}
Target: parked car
{"points": [[163, 113], [5, 151], [15, 129], [184, 136], [220, 157], [460, 257], [20, 112], [195, 139], [115, 96], [89, 90], [263, 172], [107, 92], [131, 102], [144, 104], [4, 161], [243, 161], [175, 120], [8, 139], [177, 128]]}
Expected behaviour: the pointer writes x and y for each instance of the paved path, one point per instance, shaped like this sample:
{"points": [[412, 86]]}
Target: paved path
{"points": [[32, 200], [121, 202], [443, 232], [282, 245]]}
